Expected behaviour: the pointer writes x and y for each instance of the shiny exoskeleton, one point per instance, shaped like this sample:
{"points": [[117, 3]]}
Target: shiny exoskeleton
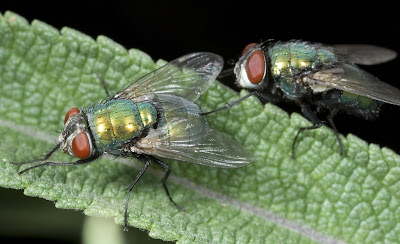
{"points": [[154, 117], [317, 77]]}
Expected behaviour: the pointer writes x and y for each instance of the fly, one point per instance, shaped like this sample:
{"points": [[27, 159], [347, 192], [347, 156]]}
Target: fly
{"points": [[153, 118], [316, 77]]}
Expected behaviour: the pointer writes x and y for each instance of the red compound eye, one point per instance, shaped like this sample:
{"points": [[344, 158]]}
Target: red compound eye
{"points": [[255, 66], [81, 146], [247, 48], [72, 111]]}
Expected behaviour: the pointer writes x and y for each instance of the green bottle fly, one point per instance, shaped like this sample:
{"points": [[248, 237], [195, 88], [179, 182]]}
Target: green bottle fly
{"points": [[153, 118], [317, 77]]}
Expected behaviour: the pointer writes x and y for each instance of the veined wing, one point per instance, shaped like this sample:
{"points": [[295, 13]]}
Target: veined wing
{"points": [[352, 79], [184, 135], [188, 76], [364, 54]]}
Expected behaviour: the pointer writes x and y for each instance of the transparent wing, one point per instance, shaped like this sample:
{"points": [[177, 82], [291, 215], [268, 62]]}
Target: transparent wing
{"points": [[364, 54], [354, 80], [188, 76], [184, 135]]}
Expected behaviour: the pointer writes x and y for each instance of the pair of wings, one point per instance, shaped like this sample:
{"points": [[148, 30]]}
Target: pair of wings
{"points": [[184, 134], [348, 77]]}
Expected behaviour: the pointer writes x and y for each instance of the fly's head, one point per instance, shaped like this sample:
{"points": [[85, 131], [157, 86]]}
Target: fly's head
{"points": [[75, 139], [251, 69]]}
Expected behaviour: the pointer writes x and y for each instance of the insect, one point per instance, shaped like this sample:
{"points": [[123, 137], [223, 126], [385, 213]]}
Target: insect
{"points": [[155, 117], [317, 77]]}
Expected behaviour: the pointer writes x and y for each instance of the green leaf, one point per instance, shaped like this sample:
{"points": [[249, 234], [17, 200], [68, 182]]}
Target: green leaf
{"points": [[318, 197]]}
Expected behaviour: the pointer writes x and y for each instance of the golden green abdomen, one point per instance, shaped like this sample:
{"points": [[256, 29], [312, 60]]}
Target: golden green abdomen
{"points": [[115, 122]]}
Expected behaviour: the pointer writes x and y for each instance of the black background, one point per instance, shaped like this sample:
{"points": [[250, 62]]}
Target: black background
{"points": [[167, 29]]}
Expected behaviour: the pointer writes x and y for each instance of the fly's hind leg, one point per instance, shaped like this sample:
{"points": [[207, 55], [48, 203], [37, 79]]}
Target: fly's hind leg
{"points": [[167, 169], [317, 123], [146, 159]]}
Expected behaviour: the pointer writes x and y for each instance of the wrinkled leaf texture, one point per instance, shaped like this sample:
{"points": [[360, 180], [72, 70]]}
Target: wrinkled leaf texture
{"points": [[318, 197]]}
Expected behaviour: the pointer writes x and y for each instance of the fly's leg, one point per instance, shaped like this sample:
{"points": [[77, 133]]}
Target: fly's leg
{"points": [[103, 84], [167, 169], [51, 163], [268, 97], [264, 98], [330, 120], [45, 157], [311, 116], [225, 73], [229, 105], [146, 165]]}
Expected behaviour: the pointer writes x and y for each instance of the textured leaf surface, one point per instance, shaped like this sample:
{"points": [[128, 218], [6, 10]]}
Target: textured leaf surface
{"points": [[319, 197]]}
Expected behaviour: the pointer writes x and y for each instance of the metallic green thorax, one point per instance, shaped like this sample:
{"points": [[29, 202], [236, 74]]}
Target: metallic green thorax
{"points": [[292, 58], [115, 122]]}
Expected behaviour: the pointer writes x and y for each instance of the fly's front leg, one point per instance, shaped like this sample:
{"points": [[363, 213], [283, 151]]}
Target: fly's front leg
{"points": [[268, 97], [45, 157], [317, 123], [229, 105], [51, 163], [226, 72]]}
